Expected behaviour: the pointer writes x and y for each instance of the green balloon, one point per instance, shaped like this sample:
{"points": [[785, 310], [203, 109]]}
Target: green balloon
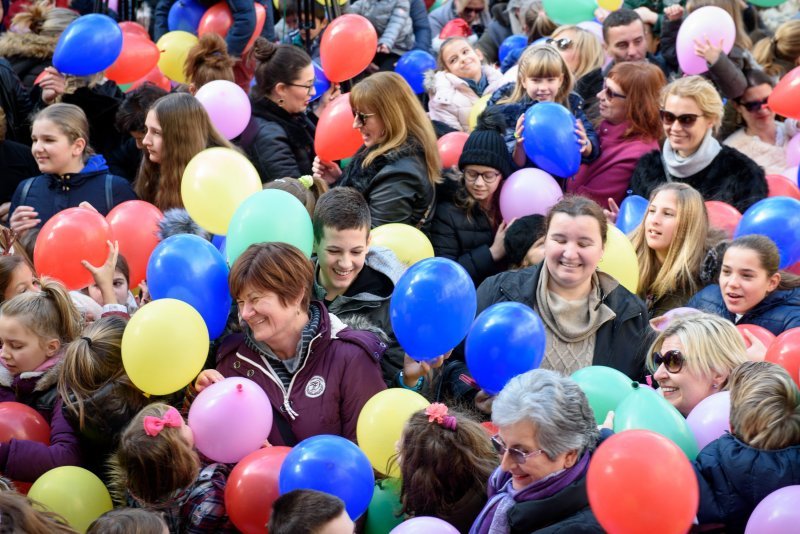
{"points": [[604, 387], [435, 5], [345, 162], [644, 408], [384, 507], [569, 11], [267, 216], [767, 3]]}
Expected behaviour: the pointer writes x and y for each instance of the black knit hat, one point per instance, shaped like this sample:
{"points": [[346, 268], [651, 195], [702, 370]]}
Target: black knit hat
{"points": [[521, 235], [486, 145]]}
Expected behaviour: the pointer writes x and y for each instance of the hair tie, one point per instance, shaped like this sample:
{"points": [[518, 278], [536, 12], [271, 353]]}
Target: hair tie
{"points": [[307, 181], [437, 412], [154, 425], [87, 340]]}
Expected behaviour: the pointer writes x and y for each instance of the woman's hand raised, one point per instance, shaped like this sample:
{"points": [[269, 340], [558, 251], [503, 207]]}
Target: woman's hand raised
{"points": [[330, 172]]}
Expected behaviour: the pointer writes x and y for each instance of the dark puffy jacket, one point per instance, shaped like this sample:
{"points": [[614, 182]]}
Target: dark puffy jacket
{"points": [[778, 312], [498, 30], [279, 144], [17, 164], [731, 177], [421, 25], [735, 477], [17, 104], [48, 194], [29, 53]]}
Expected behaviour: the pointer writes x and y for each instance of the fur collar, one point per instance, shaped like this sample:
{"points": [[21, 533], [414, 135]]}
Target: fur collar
{"points": [[27, 45], [44, 379]]}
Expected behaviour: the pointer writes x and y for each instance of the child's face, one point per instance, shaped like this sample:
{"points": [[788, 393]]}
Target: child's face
{"points": [[187, 433], [54, 152], [461, 59], [543, 89], [22, 350], [153, 138], [120, 290], [341, 255], [743, 280], [21, 280]]}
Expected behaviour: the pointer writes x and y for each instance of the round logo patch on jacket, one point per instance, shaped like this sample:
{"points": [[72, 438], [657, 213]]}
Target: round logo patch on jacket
{"points": [[315, 387]]}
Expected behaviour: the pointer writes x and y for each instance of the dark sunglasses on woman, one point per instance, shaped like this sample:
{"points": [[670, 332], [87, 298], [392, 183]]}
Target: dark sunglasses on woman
{"points": [[686, 120], [754, 106], [563, 43], [673, 360]]}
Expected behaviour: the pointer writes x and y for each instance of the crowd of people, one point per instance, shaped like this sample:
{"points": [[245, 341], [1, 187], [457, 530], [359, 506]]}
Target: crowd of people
{"points": [[316, 334]]}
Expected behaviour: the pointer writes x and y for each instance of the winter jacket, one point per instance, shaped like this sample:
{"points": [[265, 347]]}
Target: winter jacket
{"points": [[278, 143], [392, 21], [496, 32], [452, 98], [16, 164], [48, 193], [770, 156], [446, 12], [621, 343], [29, 53], [365, 304], [422, 26], [340, 374], [17, 104], [735, 477], [25, 460], [395, 184], [610, 174], [100, 103], [778, 312], [731, 177]]}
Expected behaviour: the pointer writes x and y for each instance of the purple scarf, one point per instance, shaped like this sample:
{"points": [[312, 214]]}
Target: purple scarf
{"points": [[540, 489]]}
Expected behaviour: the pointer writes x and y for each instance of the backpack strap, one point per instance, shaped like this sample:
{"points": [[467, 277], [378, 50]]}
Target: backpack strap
{"points": [[26, 186], [109, 192]]}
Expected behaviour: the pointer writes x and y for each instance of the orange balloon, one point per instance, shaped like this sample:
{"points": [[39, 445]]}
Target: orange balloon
{"points": [[135, 226], [134, 28], [347, 47], [156, 77], [336, 138], [138, 57], [785, 98], [450, 147], [632, 470], [252, 487], [70, 236], [763, 335], [217, 19], [723, 216], [785, 351], [781, 186]]}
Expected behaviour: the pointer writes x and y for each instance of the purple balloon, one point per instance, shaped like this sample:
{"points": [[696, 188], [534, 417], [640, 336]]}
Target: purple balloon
{"points": [[793, 153], [227, 106], [424, 525], [230, 419], [673, 314], [778, 513], [710, 419], [711, 22], [528, 191]]}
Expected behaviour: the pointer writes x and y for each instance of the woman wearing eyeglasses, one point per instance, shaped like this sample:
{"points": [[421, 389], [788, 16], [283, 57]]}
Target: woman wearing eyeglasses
{"points": [[546, 436], [691, 110], [398, 166], [467, 226], [629, 129], [693, 357], [761, 138], [473, 12]]}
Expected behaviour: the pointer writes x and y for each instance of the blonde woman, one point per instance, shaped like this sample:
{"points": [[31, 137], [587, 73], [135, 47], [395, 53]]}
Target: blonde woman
{"points": [[780, 53], [580, 48]]}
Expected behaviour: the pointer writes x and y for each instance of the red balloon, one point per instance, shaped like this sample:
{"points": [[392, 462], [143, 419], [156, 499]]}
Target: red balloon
{"points": [[450, 147], [138, 57], [634, 469], [135, 226], [763, 335], [252, 487], [261, 17], [455, 28], [336, 138], [156, 77], [781, 186], [794, 269], [20, 421], [347, 47], [217, 19], [785, 351], [723, 216], [134, 28], [69, 237], [785, 98]]}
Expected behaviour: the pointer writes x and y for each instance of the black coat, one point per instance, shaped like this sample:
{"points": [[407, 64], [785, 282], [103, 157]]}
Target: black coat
{"points": [[731, 177], [567, 512], [17, 104], [16, 164]]}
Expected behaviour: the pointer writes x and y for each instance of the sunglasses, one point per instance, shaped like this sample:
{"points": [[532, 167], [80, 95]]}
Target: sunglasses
{"points": [[517, 456], [687, 120], [754, 106], [473, 10], [609, 94], [562, 44], [673, 360], [362, 117], [489, 177]]}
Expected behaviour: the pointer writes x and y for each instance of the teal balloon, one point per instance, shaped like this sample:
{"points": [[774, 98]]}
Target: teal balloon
{"points": [[604, 387], [270, 215], [767, 3], [646, 409], [569, 11], [382, 514]]}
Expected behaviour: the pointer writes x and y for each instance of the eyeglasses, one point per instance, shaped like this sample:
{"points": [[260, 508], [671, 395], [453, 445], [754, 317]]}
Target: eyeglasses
{"points": [[308, 88], [517, 456], [609, 94], [754, 106], [562, 44], [362, 117], [472, 10], [672, 359], [686, 120], [489, 177]]}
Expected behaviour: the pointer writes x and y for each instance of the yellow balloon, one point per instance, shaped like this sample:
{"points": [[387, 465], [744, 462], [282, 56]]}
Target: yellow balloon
{"points": [[74, 493], [215, 182], [408, 244], [619, 259], [477, 109], [164, 346], [611, 5], [381, 422], [174, 47]]}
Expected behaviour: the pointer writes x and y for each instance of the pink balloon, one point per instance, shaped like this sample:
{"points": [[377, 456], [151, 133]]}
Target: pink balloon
{"points": [[528, 191], [709, 22], [777, 513], [671, 315], [793, 152], [230, 419], [113, 5], [424, 525], [593, 27], [710, 419], [227, 106]]}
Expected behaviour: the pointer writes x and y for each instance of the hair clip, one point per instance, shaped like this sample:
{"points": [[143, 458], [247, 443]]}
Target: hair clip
{"points": [[307, 181], [154, 425], [437, 412]]}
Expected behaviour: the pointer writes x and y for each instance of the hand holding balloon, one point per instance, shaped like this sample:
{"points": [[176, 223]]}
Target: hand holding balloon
{"points": [[104, 274], [583, 140], [757, 349], [705, 49], [206, 378], [413, 370], [329, 172], [519, 155]]}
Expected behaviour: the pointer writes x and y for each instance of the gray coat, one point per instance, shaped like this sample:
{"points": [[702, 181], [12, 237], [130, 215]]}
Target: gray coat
{"points": [[392, 21]]}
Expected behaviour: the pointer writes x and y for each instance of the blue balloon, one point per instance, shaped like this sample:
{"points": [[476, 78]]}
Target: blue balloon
{"points": [[189, 268], [185, 15], [331, 464], [90, 44], [778, 218], [412, 66], [507, 339], [417, 309], [512, 42], [550, 139], [220, 241], [631, 213], [321, 82]]}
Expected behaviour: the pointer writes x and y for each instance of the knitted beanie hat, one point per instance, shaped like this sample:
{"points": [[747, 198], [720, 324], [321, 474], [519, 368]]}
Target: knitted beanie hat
{"points": [[486, 145]]}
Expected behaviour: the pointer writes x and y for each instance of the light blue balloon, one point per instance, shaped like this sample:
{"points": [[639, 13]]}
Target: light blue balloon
{"points": [[631, 213]]}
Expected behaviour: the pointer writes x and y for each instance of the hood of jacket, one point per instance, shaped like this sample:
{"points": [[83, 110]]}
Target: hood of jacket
{"points": [[710, 299], [30, 45], [380, 259], [440, 80], [94, 166]]}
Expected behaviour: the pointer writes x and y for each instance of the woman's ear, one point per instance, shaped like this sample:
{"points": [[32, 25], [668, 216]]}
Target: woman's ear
{"points": [[51, 347], [78, 146], [571, 459], [773, 282]]}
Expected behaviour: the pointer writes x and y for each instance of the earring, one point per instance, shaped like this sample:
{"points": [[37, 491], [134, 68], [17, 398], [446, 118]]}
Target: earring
{"points": [[280, 102], [714, 386]]}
